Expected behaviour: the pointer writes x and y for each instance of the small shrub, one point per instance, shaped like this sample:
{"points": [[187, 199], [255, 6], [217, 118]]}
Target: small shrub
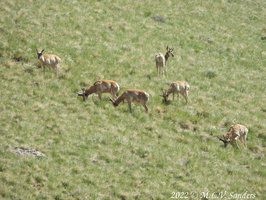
{"points": [[19, 57], [210, 74]]}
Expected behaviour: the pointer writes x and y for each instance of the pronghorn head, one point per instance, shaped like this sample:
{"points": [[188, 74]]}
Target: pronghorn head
{"points": [[39, 54], [225, 140], [83, 94], [169, 51], [165, 96], [113, 102]]}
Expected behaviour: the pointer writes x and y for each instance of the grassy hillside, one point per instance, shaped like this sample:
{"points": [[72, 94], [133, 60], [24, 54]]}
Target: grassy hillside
{"points": [[96, 151]]}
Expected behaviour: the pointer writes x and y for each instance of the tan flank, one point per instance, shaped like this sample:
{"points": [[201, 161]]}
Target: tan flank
{"points": [[137, 96], [99, 87], [161, 60]]}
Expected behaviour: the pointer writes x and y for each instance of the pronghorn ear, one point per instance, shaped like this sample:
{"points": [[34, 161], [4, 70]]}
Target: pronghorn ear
{"points": [[167, 48], [81, 93], [37, 50]]}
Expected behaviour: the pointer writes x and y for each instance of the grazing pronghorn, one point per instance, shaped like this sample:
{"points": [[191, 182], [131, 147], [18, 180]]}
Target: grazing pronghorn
{"points": [[177, 87], [49, 60], [138, 96], [236, 132], [99, 87], [161, 60]]}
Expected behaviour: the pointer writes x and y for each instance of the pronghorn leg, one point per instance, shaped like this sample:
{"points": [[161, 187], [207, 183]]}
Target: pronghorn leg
{"points": [[243, 141], [43, 69], [236, 141], [185, 96], [113, 93], [146, 108], [129, 106], [57, 70], [100, 96], [237, 144], [173, 96], [178, 98], [163, 73]]}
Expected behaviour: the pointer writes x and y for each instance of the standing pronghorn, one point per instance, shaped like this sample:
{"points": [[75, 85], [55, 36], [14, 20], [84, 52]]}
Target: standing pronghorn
{"points": [[49, 60], [178, 87], [161, 60], [138, 96], [236, 132], [99, 87]]}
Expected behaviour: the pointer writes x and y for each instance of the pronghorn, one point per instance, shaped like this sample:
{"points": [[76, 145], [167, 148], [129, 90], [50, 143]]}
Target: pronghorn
{"points": [[49, 60], [138, 96], [99, 87], [178, 87], [236, 132], [161, 60]]}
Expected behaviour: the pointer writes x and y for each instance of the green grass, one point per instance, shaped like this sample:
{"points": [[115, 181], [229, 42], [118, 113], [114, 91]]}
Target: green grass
{"points": [[96, 151]]}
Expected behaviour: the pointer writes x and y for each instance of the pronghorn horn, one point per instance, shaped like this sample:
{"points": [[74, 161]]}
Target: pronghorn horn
{"points": [[163, 90], [110, 99], [222, 139]]}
